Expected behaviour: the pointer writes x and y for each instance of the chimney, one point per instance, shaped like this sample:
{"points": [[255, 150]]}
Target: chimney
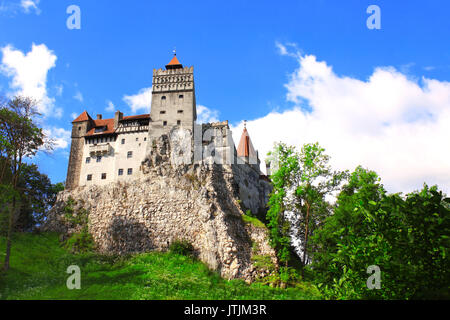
{"points": [[117, 117], [99, 117]]}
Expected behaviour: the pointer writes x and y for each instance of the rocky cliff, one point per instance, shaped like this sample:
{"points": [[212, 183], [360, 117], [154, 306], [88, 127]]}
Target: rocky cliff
{"points": [[199, 203]]}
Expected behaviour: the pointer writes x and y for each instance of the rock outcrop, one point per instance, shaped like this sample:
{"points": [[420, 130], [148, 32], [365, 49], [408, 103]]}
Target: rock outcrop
{"points": [[199, 203]]}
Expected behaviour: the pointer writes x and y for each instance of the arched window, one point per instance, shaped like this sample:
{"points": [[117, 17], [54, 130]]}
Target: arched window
{"points": [[163, 98], [180, 96]]}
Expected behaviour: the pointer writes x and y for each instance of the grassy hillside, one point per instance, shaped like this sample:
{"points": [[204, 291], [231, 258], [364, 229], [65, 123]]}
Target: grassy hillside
{"points": [[39, 263]]}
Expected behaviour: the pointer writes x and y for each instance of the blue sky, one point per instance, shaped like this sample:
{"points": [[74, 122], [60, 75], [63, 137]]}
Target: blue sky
{"points": [[250, 60]]}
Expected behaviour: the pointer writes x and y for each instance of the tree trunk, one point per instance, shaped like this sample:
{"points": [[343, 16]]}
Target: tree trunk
{"points": [[9, 235], [306, 237]]}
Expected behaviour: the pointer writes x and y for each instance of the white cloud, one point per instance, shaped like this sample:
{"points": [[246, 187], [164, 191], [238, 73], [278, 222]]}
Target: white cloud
{"points": [[111, 107], [389, 123], [206, 115], [29, 73], [60, 136], [73, 115], [140, 101], [78, 96], [30, 5]]}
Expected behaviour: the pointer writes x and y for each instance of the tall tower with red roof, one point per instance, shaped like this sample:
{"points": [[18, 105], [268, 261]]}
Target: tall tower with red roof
{"points": [[173, 98]]}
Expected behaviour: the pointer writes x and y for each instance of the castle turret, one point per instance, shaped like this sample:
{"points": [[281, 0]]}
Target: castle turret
{"points": [[246, 151], [173, 98], [80, 126]]}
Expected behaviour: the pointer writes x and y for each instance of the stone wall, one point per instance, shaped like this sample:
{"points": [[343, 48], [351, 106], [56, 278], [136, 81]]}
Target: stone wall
{"points": [[198, 203]]}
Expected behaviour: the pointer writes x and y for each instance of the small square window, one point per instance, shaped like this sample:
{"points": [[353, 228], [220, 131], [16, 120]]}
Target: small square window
{"points": [[88, 160], [123, 141], [163, 98], [137, 139], [130, 171], [145, 139], [164, 123], [103, 176], [99, 159], [181, 96], [89, 177], [180, 111], [120, 172], [130, 154], [178, 122]]}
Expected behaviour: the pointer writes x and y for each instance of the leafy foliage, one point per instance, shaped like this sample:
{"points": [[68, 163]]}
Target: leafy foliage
{"points": [[407, 237]]}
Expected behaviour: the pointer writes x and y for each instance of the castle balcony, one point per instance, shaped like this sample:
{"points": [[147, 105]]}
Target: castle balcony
{"points": [[100, 148]]}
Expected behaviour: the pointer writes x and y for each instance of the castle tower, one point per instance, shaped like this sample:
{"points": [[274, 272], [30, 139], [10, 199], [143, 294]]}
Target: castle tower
{"points": [[80, 126], [173, 98]]}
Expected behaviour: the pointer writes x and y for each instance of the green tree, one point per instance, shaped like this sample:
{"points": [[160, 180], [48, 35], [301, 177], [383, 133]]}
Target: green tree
{"points": [[406, 236], [301, 182], [316, 180], [21, 138]]}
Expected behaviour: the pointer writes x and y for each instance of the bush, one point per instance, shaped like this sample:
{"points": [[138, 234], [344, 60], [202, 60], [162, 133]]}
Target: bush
{"points": [[182, 247]]}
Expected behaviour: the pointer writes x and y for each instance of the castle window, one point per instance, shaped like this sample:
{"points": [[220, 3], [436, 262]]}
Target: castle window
{"points": [[130, 154], [79, 128], [163, 98], [145, 139], [130, 171], [180, 111], [123, 141], [103, 176], [88, 160], [162, 112], [137, 139], [89, 177], [164, 123], [180, 96], [178, 122], [100, 129], [120, 172], [99, 158]]}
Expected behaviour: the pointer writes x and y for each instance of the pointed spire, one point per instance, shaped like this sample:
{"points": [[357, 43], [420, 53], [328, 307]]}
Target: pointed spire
{"points": [[174, 63], [245, 148]]}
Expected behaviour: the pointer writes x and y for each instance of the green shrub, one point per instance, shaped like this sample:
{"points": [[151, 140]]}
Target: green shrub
{"points": [[182, 247]]}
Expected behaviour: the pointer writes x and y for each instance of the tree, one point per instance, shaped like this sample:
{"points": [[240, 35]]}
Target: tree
{"points": [[21, 138], [405, 236], [315, 182], [301, 182], [286, 167]]}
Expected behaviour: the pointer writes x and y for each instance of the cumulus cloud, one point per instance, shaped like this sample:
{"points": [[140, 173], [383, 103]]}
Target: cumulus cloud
{"points": [[140, 101], [206, 115], [389, 123], [30, 5], [60, 136], [28, 73], [110, 106]]}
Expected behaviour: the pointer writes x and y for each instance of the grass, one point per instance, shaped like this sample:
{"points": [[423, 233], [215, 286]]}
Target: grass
{"points": [[252, 220], [39, 264]]}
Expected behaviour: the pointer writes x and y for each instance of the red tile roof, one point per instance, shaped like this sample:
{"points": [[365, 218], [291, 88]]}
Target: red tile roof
{"points": [[82, 117], [174, 61], [141, 116], [245, 148], [108, 123]]}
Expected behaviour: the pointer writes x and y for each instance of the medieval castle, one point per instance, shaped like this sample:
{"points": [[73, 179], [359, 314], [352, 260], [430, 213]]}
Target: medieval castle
{"points": [[148, 180]]}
